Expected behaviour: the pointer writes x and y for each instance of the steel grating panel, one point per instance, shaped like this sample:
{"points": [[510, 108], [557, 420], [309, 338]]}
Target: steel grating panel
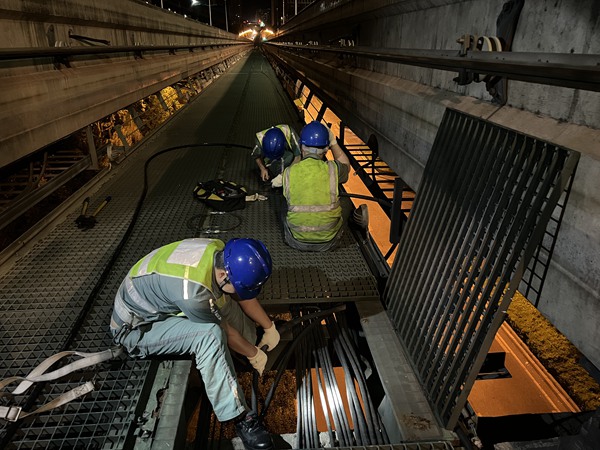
{"points": [[484, 202], [298, 277], [59, 295], [97, 421]]}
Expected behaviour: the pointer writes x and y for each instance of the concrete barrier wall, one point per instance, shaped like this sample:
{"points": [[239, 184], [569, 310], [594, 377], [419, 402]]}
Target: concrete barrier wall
{"points": [[44, 99], [403, 106]]}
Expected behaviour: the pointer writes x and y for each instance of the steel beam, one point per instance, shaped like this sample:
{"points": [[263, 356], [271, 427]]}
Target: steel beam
{"points": [[557, 69]]}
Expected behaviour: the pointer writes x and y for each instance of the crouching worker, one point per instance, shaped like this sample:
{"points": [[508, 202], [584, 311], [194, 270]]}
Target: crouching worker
{"points": [[313, 219], [176, 301], [275, 149]]}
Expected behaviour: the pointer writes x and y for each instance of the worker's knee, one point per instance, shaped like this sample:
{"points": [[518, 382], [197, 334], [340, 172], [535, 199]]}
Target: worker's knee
{"points": [[211, 339], [211, 349]]}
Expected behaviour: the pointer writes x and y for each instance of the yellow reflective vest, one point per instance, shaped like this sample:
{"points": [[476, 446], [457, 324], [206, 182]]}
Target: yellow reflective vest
{"points": [[190, 259], [310, 187], [184, 283]]}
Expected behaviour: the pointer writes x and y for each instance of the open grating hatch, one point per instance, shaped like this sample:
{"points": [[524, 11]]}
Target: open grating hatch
{"points": [[333, 393]]}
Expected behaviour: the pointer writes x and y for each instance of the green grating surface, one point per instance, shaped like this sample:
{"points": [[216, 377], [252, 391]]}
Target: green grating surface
{"points": [[58, 296]]}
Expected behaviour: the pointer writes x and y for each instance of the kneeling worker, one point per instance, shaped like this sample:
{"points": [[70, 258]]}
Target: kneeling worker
{"points": [[313, 219], [275, 149], [175, 301]]}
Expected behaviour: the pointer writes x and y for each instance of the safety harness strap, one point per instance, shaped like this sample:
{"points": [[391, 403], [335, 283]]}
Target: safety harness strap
{"points": [[14, 413], [38, 374]]}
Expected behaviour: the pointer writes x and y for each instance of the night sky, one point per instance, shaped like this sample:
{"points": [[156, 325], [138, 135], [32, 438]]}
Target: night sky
{"points": [[198, 10], [249, 7]]}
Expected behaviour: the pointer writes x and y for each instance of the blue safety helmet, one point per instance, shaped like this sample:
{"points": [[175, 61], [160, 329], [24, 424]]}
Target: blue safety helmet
{"points": [[315, 134], [273, 143], [248, 265]]}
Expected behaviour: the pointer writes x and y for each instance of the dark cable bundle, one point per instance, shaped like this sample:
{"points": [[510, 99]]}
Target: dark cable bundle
{"points": [[221, 195]]}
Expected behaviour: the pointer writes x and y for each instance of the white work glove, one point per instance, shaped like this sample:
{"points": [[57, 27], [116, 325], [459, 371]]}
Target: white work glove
{"points": [[270, 338], [277, 181], [255, 197], [258, 361]]}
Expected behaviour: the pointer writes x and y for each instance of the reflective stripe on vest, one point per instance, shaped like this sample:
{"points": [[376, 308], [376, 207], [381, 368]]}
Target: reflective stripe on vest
{"points": [[311, 190]]}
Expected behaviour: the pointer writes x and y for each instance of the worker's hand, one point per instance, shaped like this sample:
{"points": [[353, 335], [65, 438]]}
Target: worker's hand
{"points": [[258, 361], [270, 338], [277, 181], [332, 139], [264, 174]]}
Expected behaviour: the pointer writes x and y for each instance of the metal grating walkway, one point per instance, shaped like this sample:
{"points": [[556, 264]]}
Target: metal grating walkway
{"points": [[58, 296]]}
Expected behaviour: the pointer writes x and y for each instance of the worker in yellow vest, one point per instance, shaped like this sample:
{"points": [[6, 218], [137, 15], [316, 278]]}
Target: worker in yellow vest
{"points": [[313, 219], [177, 300], [275, 149]]}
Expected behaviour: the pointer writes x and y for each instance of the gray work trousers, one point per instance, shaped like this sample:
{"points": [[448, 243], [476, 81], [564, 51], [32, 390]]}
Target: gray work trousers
{"points": [[207, 342]]}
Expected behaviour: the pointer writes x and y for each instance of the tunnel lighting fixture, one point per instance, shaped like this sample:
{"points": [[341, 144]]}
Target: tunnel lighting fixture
{"points": [[249, 33]]}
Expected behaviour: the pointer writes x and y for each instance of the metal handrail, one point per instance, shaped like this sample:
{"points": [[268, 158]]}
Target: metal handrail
{"points": [[45, 52], [559, 69]]}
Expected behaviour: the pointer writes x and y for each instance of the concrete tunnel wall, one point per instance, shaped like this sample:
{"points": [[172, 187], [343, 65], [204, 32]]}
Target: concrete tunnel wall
{"points": [[45, 99], [405, 105]]}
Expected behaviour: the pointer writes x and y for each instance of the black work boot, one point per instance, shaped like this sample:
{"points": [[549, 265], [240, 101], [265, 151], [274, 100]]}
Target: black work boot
{"points": [[253, 434]]}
